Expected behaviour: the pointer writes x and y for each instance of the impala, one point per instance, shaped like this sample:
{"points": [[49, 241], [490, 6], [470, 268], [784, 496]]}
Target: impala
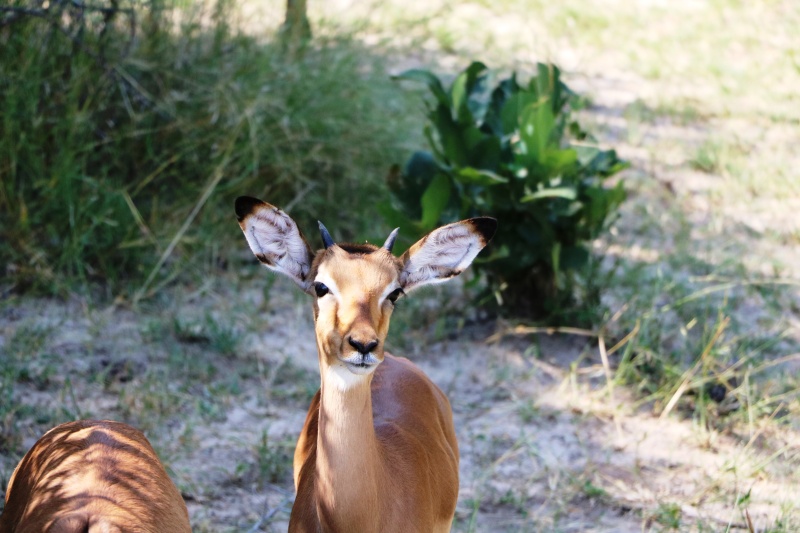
{"points": [[378, 450], [92, 476]]}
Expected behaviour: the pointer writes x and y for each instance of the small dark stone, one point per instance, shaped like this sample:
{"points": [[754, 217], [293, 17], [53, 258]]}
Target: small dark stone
{"points": [[717, 392]]}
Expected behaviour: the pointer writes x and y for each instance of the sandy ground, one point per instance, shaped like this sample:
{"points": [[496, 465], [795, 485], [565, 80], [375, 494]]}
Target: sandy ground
{"points": [[543, 446]]}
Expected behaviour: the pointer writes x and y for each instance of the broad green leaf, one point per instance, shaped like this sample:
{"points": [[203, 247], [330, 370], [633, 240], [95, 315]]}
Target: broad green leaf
{"points": [[586, 152], [479, 90], [422, 167], [601, 162], [450, 135], [555, 257], [474, 176], [558, 162], [437, 151], [472, 137], [545, 85], [434, 200], [487, 154], [417, 174], [535, 129], [597, 209], [617, 194], [607, 163], [469, 94], [569, 210], [602, 202], [548, 83], [568, 193], [545, 121], [493, 115], [511, 112], [458, 96], [427, 78]]}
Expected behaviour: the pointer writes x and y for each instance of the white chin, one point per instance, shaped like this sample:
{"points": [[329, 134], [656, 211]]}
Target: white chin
{"points": [[361, 365], [361, 370], [343, 377]]}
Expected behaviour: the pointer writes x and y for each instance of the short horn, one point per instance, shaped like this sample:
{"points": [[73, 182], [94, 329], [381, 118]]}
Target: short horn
{"points": [[326, 237], [390, 240]]}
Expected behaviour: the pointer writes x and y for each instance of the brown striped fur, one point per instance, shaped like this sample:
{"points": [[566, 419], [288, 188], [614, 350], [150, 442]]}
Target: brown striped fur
{"points": [[92, 476]]}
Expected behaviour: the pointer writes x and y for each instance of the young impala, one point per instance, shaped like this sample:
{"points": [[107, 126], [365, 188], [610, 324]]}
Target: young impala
{"points": [[92, 477], [378, 451]]}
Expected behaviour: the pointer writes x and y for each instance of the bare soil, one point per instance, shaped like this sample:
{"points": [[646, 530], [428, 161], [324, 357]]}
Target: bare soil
{"points": [[543, 445]]}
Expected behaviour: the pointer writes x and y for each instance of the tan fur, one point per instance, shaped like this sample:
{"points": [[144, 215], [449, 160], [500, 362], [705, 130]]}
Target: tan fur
{"points": [[378, 451], [92, 476]]}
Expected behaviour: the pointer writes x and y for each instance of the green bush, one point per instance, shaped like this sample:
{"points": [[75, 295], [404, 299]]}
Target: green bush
{"points": [[511, 151], [127, 128]]}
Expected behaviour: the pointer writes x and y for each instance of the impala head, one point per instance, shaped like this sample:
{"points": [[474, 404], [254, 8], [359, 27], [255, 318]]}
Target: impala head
{"points": [[355, 286]]}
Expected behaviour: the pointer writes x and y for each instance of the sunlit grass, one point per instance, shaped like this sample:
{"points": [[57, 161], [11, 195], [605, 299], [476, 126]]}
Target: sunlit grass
{"points": [[713, 52]]}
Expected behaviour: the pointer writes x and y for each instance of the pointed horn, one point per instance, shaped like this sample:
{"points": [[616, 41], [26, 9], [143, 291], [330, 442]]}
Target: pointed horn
{"points": [[390, 240], [326, 237]]}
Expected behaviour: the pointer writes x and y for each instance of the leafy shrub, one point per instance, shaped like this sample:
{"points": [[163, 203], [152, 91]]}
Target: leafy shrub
{"points": [[511, 151]]}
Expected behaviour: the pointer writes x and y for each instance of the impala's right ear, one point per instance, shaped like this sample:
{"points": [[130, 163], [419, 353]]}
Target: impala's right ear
{"points": [[445, 252], [275, 239]]}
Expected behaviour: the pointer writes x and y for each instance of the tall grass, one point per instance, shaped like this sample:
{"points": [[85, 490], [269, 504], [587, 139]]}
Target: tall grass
{"points": [[125, 136]]}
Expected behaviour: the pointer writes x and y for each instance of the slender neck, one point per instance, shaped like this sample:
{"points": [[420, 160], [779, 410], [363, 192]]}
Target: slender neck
{"points": [[348, 459]]}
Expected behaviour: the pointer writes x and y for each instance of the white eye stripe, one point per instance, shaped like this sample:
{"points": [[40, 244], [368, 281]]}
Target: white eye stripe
{"points": [[389, 290], [325, 278]]}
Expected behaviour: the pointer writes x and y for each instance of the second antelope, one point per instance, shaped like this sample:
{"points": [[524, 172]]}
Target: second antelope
{"points": [[378, 450], [92, 476]]}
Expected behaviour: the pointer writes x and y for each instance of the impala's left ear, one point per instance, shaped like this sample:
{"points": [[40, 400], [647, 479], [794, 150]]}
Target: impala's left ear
{"points": [[445, 252], [275, 239]]}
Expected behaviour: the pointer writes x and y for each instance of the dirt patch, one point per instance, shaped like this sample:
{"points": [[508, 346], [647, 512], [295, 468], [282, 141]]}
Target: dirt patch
{"points": [[542, 448]]}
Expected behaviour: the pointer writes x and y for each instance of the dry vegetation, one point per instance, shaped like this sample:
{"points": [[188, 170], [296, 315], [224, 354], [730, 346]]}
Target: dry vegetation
{"points": [[614, 429]]}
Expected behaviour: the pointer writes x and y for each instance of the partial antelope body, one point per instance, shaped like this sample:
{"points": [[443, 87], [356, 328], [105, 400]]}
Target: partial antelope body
{"points": [[378, 450], [92, 476]]}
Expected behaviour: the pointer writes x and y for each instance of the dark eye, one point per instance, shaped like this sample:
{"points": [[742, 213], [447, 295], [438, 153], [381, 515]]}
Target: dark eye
{"points": [[395, 294], [320, 289]]}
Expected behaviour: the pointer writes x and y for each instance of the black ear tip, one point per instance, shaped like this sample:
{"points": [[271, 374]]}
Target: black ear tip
{"points": [[244, 205], [486, 226]]}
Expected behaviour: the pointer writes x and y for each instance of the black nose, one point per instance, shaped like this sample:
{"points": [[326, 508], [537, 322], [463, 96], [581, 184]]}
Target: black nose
{"points": [[362, 348]]}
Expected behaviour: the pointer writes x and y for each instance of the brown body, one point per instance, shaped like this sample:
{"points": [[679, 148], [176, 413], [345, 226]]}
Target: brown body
{"points": [[402, 409], [92, 476], [378, 451]]}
